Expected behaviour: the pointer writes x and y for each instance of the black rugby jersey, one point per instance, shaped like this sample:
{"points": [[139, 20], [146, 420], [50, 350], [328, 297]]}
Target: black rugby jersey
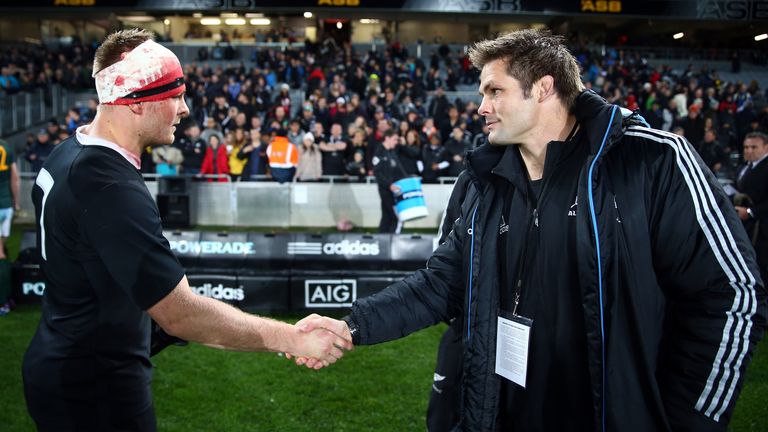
{"points": [[105, 261]]}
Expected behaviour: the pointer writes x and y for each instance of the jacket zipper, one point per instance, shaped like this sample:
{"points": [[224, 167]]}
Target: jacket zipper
{"points": [[593, 215], [471, 273]]}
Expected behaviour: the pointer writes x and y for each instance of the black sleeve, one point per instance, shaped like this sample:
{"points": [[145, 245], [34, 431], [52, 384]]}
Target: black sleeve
{"points": [[410, 151], [381, 169], [423, 298], [122, 224], [242, 155], [716, 300], [453, 208]]}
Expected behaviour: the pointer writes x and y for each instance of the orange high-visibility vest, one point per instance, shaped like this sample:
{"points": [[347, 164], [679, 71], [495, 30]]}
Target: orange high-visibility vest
{"points": [[282, 153]]}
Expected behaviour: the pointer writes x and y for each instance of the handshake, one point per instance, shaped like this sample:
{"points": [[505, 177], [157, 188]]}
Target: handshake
{"points": [[319, 341]]}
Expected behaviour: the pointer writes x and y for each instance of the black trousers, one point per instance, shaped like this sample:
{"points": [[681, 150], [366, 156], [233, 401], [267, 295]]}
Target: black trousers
{"points": [[388, 223], [444, 400], [98, 409]]}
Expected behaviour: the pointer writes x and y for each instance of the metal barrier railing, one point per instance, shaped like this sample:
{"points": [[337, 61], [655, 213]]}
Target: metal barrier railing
{"points": [[21, 111], [261, 177]]}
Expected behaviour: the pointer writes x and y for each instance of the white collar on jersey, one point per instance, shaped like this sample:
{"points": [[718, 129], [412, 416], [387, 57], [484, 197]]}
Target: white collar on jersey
{"points": [[92, 140]]}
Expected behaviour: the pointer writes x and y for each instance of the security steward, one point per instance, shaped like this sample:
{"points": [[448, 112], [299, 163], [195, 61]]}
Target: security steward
{"points": [[388, 169]]}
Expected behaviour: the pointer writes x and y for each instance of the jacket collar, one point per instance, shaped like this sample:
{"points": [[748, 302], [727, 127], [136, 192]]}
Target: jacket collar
{"points": [[594, 114], [506, 162]]}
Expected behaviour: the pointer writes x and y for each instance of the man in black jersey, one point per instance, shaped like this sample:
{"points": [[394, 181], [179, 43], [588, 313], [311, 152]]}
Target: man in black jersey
{"points": [[601, 275], [388, 169], [108, 267]]}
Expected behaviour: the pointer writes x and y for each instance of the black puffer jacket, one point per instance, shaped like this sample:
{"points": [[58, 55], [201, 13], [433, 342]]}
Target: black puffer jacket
{"points": [[672, 298]]}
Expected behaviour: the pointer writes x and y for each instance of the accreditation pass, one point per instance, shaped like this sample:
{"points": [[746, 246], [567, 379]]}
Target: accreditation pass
{"points": [[513, 337]]}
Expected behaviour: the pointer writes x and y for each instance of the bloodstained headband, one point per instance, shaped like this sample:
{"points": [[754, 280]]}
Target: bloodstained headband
{"points": [[150, 72]]}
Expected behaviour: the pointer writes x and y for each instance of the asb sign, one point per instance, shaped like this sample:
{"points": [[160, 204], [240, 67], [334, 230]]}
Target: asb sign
{"points": [[330, 293]]}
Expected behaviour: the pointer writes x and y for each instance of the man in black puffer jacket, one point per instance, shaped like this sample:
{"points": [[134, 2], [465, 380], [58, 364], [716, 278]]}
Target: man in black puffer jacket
{"points": [[601, 274]]}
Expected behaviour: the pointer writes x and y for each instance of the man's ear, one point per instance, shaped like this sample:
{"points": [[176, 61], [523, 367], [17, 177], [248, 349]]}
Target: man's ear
{"points": [[546, 87], [136, 108]]}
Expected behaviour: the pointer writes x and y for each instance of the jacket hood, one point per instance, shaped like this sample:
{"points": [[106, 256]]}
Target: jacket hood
{"points": [[482, 160], [603, 121]]}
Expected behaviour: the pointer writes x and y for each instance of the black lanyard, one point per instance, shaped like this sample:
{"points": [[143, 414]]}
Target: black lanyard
{"points": [[524, 261]]}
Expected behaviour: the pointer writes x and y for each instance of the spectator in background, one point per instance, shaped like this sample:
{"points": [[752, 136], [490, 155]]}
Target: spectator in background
{"points": [[295, 134], [356, 165], [693, 124], [435, 158], [193, 149], [53, 128], [72, 120], [333, 151], [211, 128], [38, 153], [216, 160], [167, 159], [283, 99], [390, 105], [220, 109], [410, 153], [280, 116], [238, 140], [388, 169], [428, 129], [255, 154], [9, 203], [413, 119], [375, 140], [447, 125], [457, 147], [480, 138], [323, 113], [283, 157], [90, 110], [438, 107], [8, 82], [147, 163], [228, 124], [307, 119], [712, 152], [309, 167], [752, 201]]}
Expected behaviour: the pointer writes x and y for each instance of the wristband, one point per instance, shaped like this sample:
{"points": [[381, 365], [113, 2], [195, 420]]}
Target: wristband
{"points": [[354, 330]]}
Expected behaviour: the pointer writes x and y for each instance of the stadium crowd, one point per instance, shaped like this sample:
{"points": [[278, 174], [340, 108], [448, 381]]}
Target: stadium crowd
{"points": [[351, 98]]}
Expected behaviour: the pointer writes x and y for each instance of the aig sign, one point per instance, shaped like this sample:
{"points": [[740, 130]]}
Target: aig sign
{"points": [[330, 293]]}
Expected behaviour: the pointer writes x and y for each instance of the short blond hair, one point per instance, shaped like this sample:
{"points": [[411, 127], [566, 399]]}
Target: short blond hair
{"points": [[117, 43]]}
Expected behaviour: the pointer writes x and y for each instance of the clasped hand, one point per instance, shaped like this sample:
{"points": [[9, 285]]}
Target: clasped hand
{"points": [[321, 341]]}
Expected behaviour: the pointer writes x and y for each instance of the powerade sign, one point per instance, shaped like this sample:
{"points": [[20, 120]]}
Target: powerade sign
{"points": [[33, 288], [344, 247], [219, 291], [330, 293], [186, 247]]}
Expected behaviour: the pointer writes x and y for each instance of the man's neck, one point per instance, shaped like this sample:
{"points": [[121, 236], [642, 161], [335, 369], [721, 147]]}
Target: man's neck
{"points": [[759, 159], [534, 152], [108, 128]]}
